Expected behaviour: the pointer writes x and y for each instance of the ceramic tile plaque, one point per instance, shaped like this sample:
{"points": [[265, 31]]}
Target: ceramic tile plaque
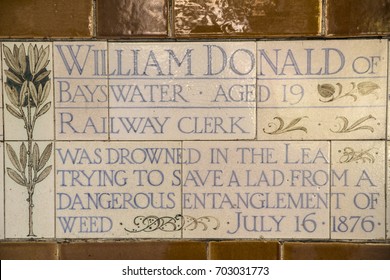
{"points": [[182, 91], [118, 189], [321, 89], [81, 90], [197, 140], [358, 190], [257, 190]]}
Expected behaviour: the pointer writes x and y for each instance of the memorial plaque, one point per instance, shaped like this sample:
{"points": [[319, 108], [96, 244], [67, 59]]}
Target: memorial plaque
{"points": [[358, 190], [118, 190], [182, 91], [184, 140], [81, 90], [257, 190], [321, 89]]}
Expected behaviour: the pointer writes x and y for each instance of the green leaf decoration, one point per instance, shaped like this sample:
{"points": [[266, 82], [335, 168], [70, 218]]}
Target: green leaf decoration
{"points": [[23, 92], [43, 60], [43, 174], [16, 177], [35, 157], [42, 76], [22, 60], [44, 109], [10, 60], [13, 111], [10, 75], [12, 95], [32, 59], [33, 92], [45, 156], [13, 158], [45, 92], [23, 156]]}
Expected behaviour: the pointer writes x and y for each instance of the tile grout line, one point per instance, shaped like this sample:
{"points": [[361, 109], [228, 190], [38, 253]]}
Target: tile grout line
{"points": [[324, 21], [108, 91]]}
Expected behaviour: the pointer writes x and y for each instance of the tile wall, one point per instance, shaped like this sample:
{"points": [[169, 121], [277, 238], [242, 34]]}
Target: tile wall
{"points": [[215, 148]]}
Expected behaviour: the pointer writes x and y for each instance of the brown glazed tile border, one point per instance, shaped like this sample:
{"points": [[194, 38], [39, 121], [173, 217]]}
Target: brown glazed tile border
{"points": [[335, 251], [153, 250], [351, 18], [244, 250], [28, 251], [46, 19]]}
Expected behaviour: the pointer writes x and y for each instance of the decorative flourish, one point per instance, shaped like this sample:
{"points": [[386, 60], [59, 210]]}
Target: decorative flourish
{"points": [[349, 155], [192, 223], [171, 224], [28, 87], [329, 93], [357, 125], [280, 128]]}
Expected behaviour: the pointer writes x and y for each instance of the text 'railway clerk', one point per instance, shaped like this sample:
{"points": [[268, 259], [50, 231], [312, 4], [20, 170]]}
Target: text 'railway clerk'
{"points": [[151, 125]]}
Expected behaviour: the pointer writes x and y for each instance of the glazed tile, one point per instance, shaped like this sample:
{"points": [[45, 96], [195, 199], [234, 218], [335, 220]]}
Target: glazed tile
{"points": [[27, 69], [358, 190], [244, 250], [81, 90], [358, 17], [233, 18], [40, 19], [322, 89], [126, 18], [335, 251], [26, 217], [135, 250], [28, 251], [181, 91], [118, 190], [256, 190]]}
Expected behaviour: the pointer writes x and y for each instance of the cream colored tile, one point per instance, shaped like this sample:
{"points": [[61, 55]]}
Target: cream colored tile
{"points": [[256, 189], [1, 96], [27, 71], [81, 90], [29, 190], [388, 94], [321, 89], [1, 192], [358, 190], [388, 194], [118, 190], [178, 91]]}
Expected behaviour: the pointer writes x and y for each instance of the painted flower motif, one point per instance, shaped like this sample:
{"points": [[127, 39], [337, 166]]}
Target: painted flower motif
{"points": [[366, 88], [326, 90]]}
